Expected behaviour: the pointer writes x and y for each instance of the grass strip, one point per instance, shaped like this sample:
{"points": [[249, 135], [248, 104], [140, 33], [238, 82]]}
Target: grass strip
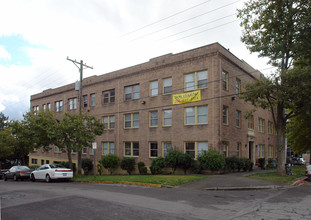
{"points": [[170, 180], [298, 172]]}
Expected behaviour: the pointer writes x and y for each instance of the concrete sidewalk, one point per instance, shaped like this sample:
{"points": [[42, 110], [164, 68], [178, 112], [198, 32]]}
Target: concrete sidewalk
{"points": [[234, 181]]}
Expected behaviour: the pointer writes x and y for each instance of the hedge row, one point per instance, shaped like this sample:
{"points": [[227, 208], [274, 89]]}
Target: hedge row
{"points": [[208, 160]]}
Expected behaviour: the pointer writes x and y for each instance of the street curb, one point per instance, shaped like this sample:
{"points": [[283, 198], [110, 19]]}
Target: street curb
{"points": [[228, 188], [298, 182], [126, 183]]}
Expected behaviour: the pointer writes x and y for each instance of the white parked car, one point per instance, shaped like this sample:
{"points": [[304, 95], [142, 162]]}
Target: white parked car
{"points": [[49, 172]]}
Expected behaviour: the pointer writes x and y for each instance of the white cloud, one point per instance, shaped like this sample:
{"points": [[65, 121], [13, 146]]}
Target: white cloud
{"points": [[91, 31], [4, 54]]}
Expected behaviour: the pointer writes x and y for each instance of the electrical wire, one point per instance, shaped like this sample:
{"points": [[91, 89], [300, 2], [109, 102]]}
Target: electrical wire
{"points": [[163, 19]]}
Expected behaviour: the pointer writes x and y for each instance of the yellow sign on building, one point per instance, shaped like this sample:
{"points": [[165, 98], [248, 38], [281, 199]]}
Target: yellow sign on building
{"points": [[187, 97]]}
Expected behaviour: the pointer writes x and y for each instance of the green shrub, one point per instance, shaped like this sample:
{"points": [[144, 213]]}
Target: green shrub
{"points": [[142, 168], [143, 171], [196, 168], [110, 162], [185, 161], [262, 162], [140, 164], [87, 165], [157, 164], [100, 168], [128, 164], [271, 164], [212, 160], [232, 163], [171, 159], [240, 164]]}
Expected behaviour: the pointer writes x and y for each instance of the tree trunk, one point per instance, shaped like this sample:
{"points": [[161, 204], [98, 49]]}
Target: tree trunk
{"points": [[69, 158], [281, 126], [80, 159]]}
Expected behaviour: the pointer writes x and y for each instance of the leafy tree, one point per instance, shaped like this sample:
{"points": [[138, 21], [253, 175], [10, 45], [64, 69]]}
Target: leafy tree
{"points": [[3, 121], [7, 143], [298, 134], [128, 164], [279, 30], [110, 162], [75, 131], [171, 159], [24, 140]]}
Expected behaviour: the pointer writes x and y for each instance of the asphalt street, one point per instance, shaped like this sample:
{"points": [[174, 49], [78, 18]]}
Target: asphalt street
{"points": [[62, 200]]}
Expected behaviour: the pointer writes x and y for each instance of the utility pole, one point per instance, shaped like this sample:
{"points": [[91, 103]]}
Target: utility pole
{"points": [[80, 67]]}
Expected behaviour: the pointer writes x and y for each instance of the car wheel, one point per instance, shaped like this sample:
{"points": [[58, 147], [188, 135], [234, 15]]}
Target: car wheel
{"points": [[32, 178], [47, 178], [15, 178], [5, 178]]}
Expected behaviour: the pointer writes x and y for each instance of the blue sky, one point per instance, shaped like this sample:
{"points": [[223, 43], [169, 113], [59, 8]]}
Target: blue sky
{"points": [[37, 36], [16, 46]]}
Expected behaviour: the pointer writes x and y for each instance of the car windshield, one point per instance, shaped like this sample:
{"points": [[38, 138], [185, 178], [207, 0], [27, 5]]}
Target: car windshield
{"points": [[56, 166], [22, 168]]}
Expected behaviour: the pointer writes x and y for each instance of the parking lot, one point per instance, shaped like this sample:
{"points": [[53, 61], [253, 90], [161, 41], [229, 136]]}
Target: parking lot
{"points": [[69, 200]]}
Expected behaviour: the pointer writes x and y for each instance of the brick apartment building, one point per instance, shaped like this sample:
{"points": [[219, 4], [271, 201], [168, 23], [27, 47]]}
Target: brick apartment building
{"points": [[136, 106]]}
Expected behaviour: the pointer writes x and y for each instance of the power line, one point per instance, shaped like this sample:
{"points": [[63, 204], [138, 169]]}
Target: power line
{"points": [[205, 30], [163, 19], [197, 26], [185, 20]]}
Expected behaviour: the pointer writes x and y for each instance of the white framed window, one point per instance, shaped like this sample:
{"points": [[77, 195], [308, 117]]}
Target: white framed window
{"points": [[196, 115], [225, 80], [49, 106], [85, 101], [59, 106], [132, 92], [167, 146], [108, 148], [109, 96], [153, 149], [72, 103], [44, 107], [261, 150], [131, 149], [153, 119], [238, 118], [109, 122], [225, 148], [36, 109], [196, 148], [154, 91], [225, 112], [251, 122], [167, 117], [131, 120], [196, 80], [237, 86], [270, 151], [93, 99], [167, 85], [261, 125]]}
